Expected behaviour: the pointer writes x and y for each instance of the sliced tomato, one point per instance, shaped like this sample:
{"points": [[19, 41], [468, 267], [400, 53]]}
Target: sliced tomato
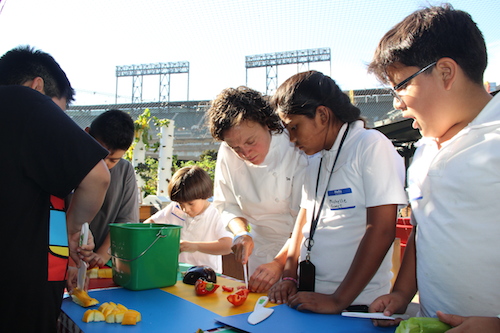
{"points": [[203, 287]]}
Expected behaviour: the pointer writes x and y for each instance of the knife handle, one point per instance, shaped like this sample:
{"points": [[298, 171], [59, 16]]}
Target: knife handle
{"points": [[84, 234]]}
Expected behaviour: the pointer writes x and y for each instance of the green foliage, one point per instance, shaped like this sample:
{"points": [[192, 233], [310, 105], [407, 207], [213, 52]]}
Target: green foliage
{"points": [[207, 162], [148, 171], [141, 128]]}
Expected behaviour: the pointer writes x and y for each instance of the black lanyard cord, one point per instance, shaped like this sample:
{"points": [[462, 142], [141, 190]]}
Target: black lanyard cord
{"points": [[309, 241]]}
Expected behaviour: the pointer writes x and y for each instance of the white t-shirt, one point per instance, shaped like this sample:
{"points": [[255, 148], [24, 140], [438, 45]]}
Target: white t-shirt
{"points": [[267, 195], [369, 172], [205, 227], [454, 198]]}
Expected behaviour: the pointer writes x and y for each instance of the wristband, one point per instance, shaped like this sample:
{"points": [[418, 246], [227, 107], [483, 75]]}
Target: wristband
{"points": [[287, 278], [243, 233]]}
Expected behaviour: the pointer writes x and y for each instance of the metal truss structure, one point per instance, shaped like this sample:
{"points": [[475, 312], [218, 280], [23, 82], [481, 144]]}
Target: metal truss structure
{"points": [[272, 60], [163, 70]]}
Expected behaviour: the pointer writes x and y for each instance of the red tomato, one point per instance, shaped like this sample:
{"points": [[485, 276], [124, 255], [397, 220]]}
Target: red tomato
{"points": [[228, 289], [203, 287]]}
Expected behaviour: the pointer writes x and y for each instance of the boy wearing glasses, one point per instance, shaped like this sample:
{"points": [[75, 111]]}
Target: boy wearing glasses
{"points": [[434, 60]]}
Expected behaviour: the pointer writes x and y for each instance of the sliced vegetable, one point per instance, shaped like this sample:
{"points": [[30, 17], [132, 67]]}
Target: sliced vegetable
{"points": [[422, 324], [203, 287], [228, 289], [239, 297]]}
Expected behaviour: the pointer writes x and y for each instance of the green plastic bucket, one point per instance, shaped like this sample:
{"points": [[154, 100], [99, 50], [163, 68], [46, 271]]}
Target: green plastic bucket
{"points": [[144, 255]]}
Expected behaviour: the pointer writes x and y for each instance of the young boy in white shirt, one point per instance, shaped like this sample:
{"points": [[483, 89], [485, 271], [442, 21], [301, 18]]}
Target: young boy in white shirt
{"points": [[204, 238], [434, 60]]}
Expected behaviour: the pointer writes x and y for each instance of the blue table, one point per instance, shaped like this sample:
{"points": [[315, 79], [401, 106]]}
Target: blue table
{"points": [[164, 312]]}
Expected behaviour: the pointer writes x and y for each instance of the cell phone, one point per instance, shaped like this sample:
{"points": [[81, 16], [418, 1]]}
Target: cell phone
{"points": [[307, 276]]}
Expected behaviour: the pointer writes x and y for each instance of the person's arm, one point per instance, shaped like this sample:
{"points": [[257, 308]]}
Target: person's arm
{"points": [[266, 275], [228, 205], [218, 247], [405, 286], [242, 244], [102, 254], [281, 291], [470, 324], [378, 238], [86, 201]]}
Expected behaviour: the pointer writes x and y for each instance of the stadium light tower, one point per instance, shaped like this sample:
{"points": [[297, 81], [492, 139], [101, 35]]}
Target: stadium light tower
{"points": [[272, 60], [163, 70]]}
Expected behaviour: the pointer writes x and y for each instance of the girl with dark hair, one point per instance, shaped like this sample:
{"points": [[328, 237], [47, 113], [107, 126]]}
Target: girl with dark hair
{"points": [[344, 232]]}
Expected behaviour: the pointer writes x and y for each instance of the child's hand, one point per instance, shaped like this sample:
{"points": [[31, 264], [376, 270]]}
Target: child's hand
{"points": [[388, 304], [281, 291], [315, 302], [186, 246], [470, 324], [97, 260], [72, 279]]}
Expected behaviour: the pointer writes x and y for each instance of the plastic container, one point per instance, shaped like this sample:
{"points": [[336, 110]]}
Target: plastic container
{"points": [[145, 255]]}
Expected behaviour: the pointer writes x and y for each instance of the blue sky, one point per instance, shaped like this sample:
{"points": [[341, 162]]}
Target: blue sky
{"points": [[90, 38]]}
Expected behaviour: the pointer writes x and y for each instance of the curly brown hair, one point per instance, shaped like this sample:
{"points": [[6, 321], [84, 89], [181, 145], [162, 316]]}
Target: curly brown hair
{"points": [[234, 105]]}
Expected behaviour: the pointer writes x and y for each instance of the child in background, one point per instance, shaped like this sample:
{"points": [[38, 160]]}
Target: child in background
{"points": [[204, 237]]}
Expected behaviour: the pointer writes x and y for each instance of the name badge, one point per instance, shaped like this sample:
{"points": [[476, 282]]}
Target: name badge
{"points": [[342, 198]]}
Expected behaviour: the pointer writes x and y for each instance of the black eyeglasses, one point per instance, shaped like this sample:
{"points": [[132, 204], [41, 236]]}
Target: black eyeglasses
{"points": [[402, 84]]}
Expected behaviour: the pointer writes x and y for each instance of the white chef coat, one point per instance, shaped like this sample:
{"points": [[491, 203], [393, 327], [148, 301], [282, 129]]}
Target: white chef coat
{"points": [[266, 195]]}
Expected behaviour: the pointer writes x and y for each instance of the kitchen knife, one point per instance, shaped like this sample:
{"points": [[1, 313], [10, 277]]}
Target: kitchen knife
{"points": [[245, 273], [82, 271], [260, 312]]}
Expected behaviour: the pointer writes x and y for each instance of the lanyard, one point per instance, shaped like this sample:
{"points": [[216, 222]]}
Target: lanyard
{"points": [[309, 241]]}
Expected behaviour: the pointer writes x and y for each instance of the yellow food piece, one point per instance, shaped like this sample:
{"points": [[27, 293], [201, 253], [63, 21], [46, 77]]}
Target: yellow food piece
{"points": [[81, 298], [121, 307], [108, 309], [111, 312], [98, 316], [131, 317], [100, 273], [92, 315], [88, 316], [92, 273], [103, 305], [105, 273], [119, 316]]}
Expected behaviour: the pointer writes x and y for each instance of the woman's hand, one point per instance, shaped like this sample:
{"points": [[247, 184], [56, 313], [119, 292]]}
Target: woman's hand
{"points": [[242, 248], [265, 276], [281, 291]]}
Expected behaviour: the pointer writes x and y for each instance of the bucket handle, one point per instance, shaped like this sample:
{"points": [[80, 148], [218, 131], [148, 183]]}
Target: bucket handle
{"points": [[158, 236]]}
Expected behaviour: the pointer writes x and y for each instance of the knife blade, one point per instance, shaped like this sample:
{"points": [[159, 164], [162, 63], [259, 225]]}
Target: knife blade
{"points": [[260, 312], [245, 273], [82, 271]]}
